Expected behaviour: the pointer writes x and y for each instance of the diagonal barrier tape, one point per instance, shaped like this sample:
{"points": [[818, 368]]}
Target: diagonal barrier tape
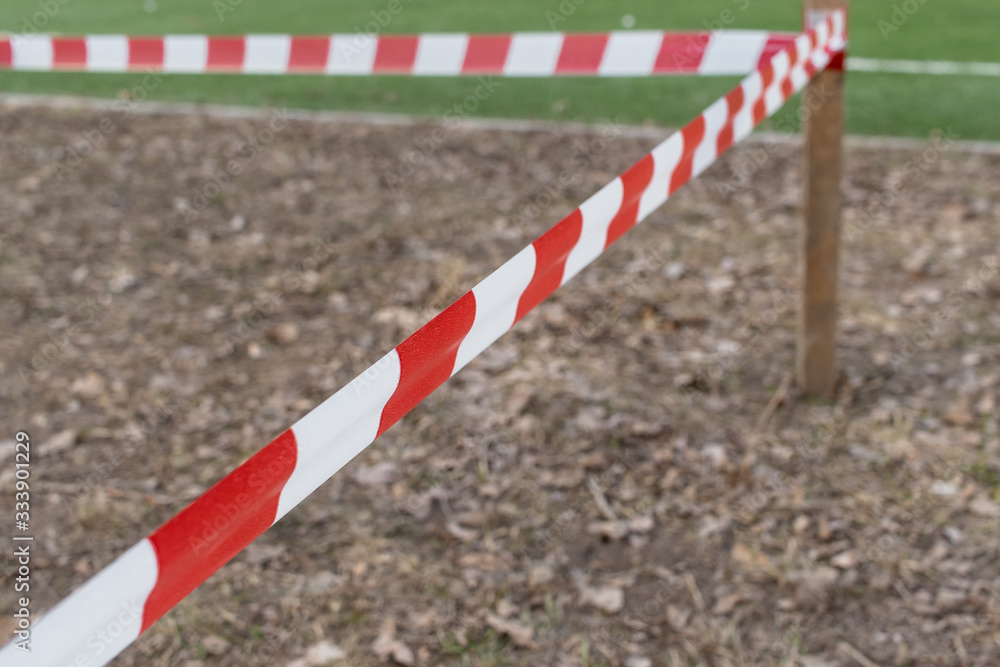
{"points": [[144, 583], [529, 54]]}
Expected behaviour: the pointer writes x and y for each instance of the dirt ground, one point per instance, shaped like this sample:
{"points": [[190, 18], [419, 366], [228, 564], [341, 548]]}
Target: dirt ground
{"points": [[627, 478]]}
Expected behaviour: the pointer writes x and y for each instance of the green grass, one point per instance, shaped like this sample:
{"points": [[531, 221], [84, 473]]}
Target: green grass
{"points": [[877, 103]]}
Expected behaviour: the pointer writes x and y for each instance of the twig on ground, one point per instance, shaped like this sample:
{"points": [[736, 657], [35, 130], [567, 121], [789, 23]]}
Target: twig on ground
{"points": [[855, 654], [602, 502], [692, 585], [772, 405], [779, 395]]}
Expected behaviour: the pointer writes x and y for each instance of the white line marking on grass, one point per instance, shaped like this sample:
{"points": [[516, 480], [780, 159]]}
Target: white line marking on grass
{"points": [[944, 67]]}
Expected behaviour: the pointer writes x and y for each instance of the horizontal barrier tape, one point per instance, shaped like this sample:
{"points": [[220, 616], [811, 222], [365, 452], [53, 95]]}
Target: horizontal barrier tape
{"points": [[150, 578], [532, 54]]}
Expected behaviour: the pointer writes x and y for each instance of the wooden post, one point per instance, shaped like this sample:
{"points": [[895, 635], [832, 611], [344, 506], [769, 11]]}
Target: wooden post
{"points": [[824, 131]]}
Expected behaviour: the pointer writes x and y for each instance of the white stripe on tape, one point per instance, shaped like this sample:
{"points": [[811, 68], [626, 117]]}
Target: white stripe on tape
{"points": [[773, 97], [715, 119], [533, 54], [731, 51], [267, 54], [352, 54], [339, 429], [837, 34], [440, 54], [743, 121], [497, 297], [666, 157], [631, 53], [107, 53], [798, 76], [185, 53], [820, 57], [111, 620], [598, 212], [32, 53]]}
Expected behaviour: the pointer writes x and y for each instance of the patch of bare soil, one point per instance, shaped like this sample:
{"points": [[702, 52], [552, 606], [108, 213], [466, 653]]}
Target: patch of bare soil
{"points": [[627, 478]]}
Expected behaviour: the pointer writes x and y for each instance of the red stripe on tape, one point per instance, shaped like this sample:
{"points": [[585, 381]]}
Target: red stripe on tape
{"points": [[69, 52], [787, 88], [486, 54], [808, 67], [218, 525], [734, 102], [692, 134], [145, 52], [581, 54], [396, 55], [551, 250], [682, 52], [427, 358], [760, 106], [309, 54], [837, 62], [634, 183], [225, 54], [6, 55], [774, 44]]}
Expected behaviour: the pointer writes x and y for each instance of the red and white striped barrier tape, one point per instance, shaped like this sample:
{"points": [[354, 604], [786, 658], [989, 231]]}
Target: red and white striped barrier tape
{"points": [[534, 54], [109, 612]]}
